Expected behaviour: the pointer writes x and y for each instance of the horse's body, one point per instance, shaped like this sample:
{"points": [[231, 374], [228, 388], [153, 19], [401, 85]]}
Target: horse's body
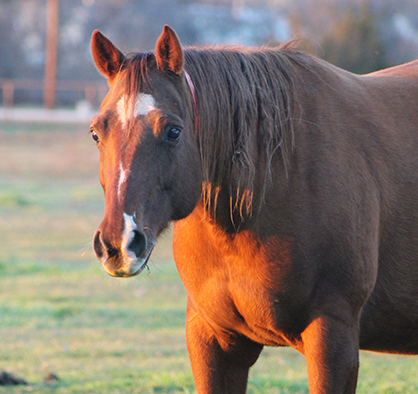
{"points": [[306, 231]]}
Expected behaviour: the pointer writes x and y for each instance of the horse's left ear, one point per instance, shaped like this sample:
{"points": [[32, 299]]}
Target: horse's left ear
{"points": [[168, 51]]}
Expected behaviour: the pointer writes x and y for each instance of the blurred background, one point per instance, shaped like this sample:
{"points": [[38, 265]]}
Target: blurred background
{"points": [[358, 35]]}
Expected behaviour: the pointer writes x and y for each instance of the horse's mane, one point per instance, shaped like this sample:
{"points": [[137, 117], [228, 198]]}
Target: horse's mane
{"points": [[244, 102]]}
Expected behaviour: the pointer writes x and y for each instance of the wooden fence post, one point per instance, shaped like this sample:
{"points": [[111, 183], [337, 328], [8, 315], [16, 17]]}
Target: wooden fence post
{"points": [[8, 93], [51, 53]]}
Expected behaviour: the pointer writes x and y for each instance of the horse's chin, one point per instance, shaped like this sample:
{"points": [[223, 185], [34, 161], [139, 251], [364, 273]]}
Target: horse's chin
{"points": [[128, 267]]}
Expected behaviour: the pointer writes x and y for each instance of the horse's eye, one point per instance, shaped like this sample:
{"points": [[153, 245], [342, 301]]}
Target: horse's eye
{"points": [[94, 136], [173, 134]]}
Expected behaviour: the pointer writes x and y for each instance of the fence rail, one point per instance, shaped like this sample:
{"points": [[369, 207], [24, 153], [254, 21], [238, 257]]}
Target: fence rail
{"points": [[94, 92]]}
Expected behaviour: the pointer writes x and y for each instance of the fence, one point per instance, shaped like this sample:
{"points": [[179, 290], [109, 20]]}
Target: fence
{"points": [[93, 92]]}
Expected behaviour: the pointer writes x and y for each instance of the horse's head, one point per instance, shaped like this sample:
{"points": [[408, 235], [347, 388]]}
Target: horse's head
{"points": [[149, 159]]}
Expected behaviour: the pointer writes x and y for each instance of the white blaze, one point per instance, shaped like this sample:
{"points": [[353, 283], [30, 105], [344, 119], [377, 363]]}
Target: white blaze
{"points": [[123, 174], [144, 104], [128, 235]]}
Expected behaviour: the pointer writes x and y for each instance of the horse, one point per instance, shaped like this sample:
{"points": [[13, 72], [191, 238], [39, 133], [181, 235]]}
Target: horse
{"points": [[292, 186]]}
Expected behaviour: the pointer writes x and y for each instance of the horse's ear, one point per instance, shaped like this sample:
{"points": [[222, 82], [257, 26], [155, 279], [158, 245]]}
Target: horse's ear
{"points": [[107, 57], [168, 51]]}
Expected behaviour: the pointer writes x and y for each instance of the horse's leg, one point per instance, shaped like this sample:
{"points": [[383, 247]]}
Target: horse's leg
{"points": [[218, 369], [331, 350]]}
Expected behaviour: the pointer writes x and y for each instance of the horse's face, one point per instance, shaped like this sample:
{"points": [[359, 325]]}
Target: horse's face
{"points": [[149, 161]]}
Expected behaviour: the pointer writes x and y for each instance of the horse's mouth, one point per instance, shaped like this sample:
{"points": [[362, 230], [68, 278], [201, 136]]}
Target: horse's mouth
{"points": [[127, 269]]}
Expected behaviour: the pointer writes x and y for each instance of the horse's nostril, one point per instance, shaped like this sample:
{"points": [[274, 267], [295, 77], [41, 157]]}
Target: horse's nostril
{"points": [[133, 246], [102, 248], [97, 245], [138, 243], [111, 252]]}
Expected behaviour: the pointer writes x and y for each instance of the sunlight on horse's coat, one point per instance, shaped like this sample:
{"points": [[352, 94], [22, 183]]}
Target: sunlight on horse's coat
{"points": [[144, 104]]}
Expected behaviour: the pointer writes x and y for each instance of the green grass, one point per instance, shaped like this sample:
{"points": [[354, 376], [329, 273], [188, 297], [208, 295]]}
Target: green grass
{"points": [[60, 312]]}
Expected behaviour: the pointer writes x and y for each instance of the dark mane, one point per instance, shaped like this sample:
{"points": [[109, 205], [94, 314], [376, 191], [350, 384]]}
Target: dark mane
{"points": [[244, 102], [244, 99]]}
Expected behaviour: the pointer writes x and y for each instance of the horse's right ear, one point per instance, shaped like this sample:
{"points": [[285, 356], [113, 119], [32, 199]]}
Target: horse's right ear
{"points": [[107, 57], [168, 51]]}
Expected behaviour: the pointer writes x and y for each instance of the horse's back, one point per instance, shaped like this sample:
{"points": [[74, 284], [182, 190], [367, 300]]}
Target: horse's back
{"points": [[394, 95], [403, 70]]}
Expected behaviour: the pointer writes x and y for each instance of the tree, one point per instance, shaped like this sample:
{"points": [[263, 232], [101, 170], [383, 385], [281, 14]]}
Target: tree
{"points": [[353, 43]]}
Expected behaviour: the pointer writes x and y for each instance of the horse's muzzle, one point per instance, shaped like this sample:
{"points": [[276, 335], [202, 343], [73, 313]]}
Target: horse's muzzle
{"points": [[127, 259]]}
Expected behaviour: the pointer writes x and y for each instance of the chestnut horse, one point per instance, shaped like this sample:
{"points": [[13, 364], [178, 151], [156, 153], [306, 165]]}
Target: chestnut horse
{"points": [[293, 187]]}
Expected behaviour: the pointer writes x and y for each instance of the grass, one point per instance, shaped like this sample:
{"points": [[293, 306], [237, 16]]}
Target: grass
{"points": [[60, 312]]}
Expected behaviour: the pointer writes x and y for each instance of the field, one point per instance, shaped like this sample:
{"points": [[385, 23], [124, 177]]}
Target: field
{"points": [[60, 313]]}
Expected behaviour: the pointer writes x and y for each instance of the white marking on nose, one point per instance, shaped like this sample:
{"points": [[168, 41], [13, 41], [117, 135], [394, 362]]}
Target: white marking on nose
{"points": [[123, 175], [144, 104], [128, 235]]}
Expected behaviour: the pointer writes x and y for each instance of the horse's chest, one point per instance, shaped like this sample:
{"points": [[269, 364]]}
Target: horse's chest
{"points": [[237, 284]]}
